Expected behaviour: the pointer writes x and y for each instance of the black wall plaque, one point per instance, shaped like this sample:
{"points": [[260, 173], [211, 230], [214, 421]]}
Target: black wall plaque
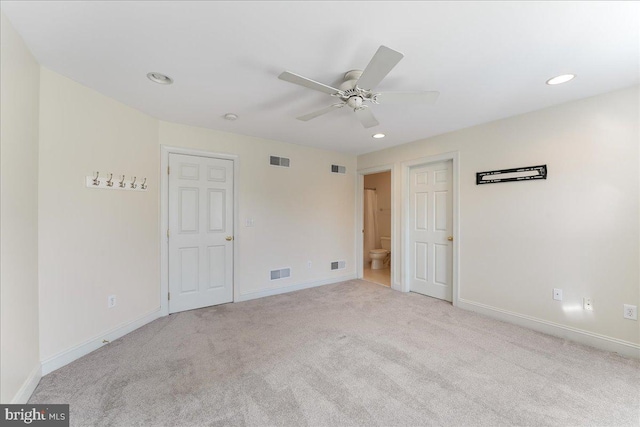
{"points": [[492, 177]]}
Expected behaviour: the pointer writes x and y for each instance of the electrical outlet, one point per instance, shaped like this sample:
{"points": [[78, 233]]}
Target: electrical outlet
{"points": [[587, 304], [557, 294], [111, 301], [249, 222], [308, 264], [631, 312]]}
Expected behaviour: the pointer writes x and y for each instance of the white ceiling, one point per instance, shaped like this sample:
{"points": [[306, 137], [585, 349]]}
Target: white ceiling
{"points": [[489, 60]]}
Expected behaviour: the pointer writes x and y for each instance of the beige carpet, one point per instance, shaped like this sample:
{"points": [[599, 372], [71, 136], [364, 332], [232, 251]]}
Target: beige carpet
{"points": [[353, 353]]}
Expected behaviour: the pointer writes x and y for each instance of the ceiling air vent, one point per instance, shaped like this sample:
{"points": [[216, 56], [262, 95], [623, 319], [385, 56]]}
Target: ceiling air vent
{"points": [[338, 169], [282, 273], [338, 265], [279, 161]]}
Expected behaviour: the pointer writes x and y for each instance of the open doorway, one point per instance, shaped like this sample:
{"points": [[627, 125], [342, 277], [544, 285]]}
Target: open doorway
{"points": [[376, 221]]}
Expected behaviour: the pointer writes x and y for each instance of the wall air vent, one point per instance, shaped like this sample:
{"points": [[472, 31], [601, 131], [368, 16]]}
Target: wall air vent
{"points": [[279, 161], [338, 169], [338, 265], [282, 273]]}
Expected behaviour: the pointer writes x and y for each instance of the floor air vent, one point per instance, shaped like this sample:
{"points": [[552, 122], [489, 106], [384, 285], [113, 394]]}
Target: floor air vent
{"points": [[279, 161], [338, 169], [338, 265], [283, 273]]}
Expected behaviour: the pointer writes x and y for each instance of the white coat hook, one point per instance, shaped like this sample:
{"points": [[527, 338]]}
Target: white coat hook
{"points": [[119, 182]]}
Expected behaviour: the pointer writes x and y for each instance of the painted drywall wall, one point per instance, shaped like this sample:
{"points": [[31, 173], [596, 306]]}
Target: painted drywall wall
{"points": [[20, 79], [382, 183], [301, 214], [94, 243], [577, 230]]}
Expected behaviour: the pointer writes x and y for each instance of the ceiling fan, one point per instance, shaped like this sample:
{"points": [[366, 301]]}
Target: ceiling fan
{"points": [[356, 91]]}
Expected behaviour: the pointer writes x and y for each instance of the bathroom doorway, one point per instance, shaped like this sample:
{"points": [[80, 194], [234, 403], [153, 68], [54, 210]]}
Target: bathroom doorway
{"points": [[376, 228]]}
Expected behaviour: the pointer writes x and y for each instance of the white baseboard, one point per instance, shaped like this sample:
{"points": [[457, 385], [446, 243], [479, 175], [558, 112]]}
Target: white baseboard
{"points": [[592, 339], [67, 356], [29, 385], [276, 291]]}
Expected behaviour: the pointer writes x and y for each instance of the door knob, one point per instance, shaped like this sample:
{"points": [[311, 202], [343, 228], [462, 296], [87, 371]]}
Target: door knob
{"points": [[229, 238], [450, 238]]}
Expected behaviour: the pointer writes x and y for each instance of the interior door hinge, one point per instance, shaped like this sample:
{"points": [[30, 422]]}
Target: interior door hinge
{"points": [[168, 170], [168, 295], [167, 233]]}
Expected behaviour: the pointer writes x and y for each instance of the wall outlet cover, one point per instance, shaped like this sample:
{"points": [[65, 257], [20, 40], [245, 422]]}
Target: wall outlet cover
{"points": [[631, 312], [111, 301], [587, 304], [557, 294]]}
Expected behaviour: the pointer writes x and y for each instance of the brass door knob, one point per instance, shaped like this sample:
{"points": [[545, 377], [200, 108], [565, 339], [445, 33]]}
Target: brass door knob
{"points": [[229, 238], [450, 238]]}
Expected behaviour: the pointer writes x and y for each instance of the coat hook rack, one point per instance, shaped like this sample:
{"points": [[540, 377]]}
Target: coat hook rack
{"points": [[94, 181]]}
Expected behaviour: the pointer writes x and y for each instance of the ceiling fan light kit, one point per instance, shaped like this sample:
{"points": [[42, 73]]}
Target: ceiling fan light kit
{"points": [[356, 90]]}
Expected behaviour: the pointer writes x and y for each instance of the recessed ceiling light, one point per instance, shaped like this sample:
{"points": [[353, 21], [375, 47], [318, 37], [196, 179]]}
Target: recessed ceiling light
{"points": [[230, 116], [561, 79], [378, 135], [159, 78]]}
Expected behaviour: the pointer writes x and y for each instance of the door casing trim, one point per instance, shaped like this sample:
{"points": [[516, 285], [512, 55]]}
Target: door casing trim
{"points": [[165, 150], [404, 233]]}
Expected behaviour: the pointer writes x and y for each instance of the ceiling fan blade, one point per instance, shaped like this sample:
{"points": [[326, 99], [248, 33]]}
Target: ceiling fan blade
{"points": [[315, 114], [367, 118], [408, 97], [382, 62], [308, 83]]}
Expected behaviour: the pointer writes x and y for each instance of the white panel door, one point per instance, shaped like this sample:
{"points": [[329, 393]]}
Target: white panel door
{"points": [[430, 230], [200, 232]]}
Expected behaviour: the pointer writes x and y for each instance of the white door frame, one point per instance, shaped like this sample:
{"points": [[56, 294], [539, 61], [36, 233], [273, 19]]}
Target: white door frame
{"points": [[164, 216], [360, 219], [423, 161]]}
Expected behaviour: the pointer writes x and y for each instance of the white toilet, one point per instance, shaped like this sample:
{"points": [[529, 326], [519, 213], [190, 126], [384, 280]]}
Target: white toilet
{"points": [[381, 257]]}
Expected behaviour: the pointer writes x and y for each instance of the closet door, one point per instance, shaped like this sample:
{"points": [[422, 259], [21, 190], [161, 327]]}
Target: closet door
{"points": [[200, 232], [430, 230]]}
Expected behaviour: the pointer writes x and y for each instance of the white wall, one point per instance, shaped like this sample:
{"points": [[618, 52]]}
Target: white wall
{"points": [[578, 230], [19, 354], [94, 243], [302, 213]]}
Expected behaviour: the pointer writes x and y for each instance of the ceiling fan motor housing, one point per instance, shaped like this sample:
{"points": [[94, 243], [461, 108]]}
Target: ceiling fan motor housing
{"points": [[351, 94]]}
